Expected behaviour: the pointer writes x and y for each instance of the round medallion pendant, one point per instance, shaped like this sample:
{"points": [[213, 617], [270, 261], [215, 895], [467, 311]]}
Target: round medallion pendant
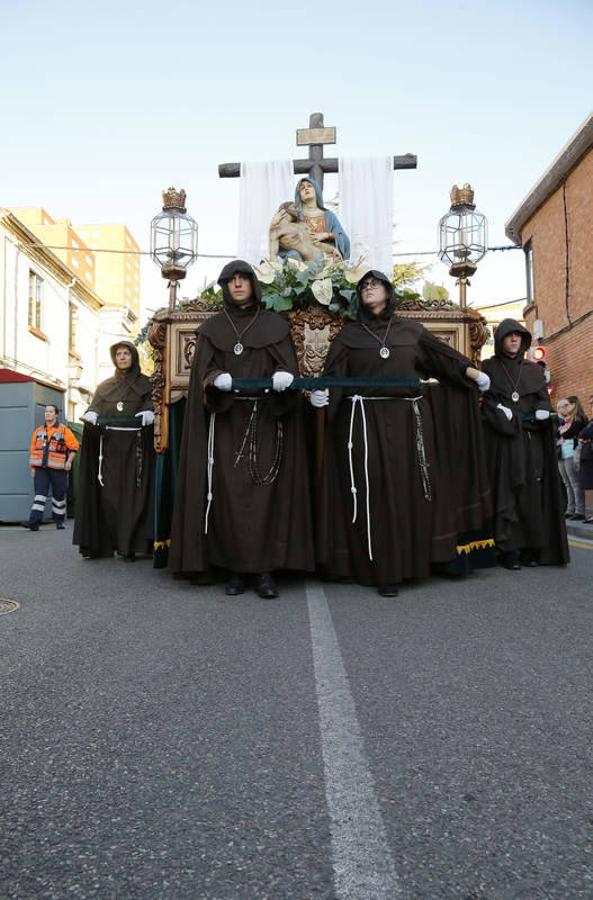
{"points": [[119, 406], [384, 352], [515, 397], [238, 348]]}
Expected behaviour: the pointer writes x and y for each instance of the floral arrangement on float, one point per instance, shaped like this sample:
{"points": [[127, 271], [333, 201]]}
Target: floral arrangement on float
{"points": [[291, 284]]}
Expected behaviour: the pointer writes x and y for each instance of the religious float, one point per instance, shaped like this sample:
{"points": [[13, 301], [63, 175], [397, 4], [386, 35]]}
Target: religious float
{"points": [[306, 278]]}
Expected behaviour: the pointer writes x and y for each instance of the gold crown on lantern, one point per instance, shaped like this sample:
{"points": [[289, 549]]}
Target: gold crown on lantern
{"points": [[462, 196], [174, 199]]}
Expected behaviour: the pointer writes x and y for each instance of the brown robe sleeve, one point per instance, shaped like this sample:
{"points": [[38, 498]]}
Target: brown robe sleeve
{"points": [[442, 361]]}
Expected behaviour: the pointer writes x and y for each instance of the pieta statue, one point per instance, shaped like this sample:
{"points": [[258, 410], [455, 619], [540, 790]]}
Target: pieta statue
{"points": [[305, 229]]}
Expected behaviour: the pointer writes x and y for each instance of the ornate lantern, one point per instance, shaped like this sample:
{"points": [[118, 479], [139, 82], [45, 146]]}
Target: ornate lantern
{"points": [[463, 237], [173, 240]]}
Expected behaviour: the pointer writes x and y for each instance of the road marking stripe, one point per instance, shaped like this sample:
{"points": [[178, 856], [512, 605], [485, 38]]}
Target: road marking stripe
{"points": [[582, 545], [363, 866]]}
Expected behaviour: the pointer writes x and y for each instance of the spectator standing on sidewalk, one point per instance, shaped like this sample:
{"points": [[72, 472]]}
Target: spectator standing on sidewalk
{"points": [[571, 421], [586, 464], [53, 447]]}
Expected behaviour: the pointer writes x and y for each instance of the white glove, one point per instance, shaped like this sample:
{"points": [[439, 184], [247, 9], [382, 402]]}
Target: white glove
{"points": [[282, 380], [505, 410], [542, 414], [483, 381], [224, 381], [147, 417], [319, 399], [90, 417]]}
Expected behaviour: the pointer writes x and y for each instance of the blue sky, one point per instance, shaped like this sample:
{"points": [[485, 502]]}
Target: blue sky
{"points": [[102, 108]]}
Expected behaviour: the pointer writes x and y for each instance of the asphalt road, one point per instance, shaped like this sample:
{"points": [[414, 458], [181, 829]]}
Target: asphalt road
{"points": [[163, 741]]}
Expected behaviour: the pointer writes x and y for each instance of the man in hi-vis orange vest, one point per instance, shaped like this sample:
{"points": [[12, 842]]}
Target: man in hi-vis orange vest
{"points": [[53, 447]]}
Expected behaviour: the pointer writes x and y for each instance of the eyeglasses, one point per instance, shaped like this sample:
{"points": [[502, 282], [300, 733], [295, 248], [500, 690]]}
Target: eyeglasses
{"points": [[370, 284]]}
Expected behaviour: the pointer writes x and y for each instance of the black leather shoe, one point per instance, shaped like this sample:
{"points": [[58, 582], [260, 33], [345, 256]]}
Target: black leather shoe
{"points": [[32, 526], [529, 558], [388, 590], [510, 561], [266, 586], [234, 586], [60, 526]]}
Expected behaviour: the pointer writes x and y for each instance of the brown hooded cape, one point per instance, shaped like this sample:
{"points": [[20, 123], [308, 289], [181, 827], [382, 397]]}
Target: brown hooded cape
{"points": [[252, 527], [117, 516], [521, 455], [409, 533]]}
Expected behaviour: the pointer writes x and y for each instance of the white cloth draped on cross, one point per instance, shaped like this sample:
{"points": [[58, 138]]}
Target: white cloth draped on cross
{"points": [[366, 209], [264, 186]]}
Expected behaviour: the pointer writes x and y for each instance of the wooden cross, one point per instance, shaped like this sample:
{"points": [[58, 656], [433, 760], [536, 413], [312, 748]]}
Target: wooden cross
{"points": [[315, 165]]}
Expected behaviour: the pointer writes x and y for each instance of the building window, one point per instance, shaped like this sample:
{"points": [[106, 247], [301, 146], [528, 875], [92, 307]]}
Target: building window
{"points": [[35, 301], [72, 329], [528, 251]]}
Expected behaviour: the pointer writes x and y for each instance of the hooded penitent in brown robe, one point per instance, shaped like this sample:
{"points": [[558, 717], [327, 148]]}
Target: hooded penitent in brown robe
{"points": [[423, 485], [117, 515], [258, 518], [527, 493]]}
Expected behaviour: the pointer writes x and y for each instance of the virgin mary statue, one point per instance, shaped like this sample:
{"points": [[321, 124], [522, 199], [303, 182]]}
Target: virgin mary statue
{"points": [[323, 225]]}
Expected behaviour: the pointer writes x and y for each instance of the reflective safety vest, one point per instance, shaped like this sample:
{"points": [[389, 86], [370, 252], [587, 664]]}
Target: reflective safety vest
{"points": [[50, 446]]}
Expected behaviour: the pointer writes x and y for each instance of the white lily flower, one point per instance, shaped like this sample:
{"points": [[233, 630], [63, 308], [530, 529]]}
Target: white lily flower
{"points": [[323, 290], [266, 272], [354, 275], [296, 264]]}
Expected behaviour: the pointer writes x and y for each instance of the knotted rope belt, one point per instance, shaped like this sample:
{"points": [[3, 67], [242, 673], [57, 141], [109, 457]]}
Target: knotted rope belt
{"points": [[358, 403], [249, 385], [121, 423]]}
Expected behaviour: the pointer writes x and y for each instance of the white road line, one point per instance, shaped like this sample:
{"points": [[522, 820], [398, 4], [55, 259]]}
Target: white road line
{"points": [[363, 865]]}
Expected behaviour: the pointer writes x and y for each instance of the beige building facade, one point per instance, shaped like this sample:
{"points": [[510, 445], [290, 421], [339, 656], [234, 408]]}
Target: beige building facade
{"points": [[64, 303]]}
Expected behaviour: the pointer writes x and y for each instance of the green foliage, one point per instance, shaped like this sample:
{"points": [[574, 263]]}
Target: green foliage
{"points": [[292, 284], [407, 273], [145, 349], [297, 285]]}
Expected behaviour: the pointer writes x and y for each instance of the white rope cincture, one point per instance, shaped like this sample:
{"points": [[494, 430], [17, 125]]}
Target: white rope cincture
{"points": [[210, 468], [358, 401], [353, 490], [100, 472]]}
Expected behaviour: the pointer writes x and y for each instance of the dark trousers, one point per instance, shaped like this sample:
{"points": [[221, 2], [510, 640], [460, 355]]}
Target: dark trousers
{"points": [[57, 479]]}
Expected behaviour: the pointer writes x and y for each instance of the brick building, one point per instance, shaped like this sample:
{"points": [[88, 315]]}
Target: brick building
{"points": [[554, 225]]}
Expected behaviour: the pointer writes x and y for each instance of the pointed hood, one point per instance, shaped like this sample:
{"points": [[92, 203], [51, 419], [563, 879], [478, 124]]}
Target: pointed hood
{"points": [[506, 327], [119, 386], [242, 268], [356, 334], [135, 369], [269, 329], [364, 314]]}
